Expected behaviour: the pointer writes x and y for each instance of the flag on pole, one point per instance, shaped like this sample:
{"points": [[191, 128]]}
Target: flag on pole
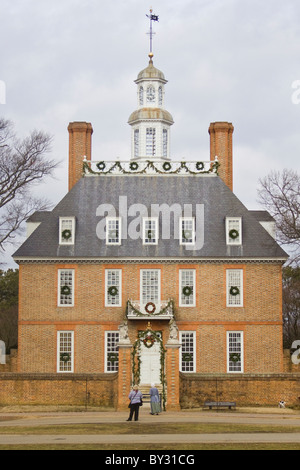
{"points": [[154, 17]]}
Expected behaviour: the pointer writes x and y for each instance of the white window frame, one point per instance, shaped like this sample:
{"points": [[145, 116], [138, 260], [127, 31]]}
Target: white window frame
{"points": [[146, 240], [108, 298], [141, 96], [150, 141], [113, 220], [136, 142], [234, 223], [165, 142], [238, 300], [230, 364], [114, 350], [61, 284], [59, 352], [182, 352], [66, 223], [182, 283], [143, 300], [191, 222]]}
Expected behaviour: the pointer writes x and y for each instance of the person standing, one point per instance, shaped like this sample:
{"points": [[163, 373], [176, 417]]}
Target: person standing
{"points": [[154, 400], [136, 400]]}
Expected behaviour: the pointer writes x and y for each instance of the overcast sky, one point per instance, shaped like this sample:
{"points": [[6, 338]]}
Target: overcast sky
{"points": [[225, 60]]}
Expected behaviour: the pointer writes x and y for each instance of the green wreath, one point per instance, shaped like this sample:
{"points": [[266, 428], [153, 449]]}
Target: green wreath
{"points": [[187, 291], [67, 234], [234, 234], [65, 290], [113, 291], [65, 357], [133, 166], [112, 357], [150, 234], [187, 234], [234, 357], [234, 291], [187, 357], [148, 341], [101, 166], [200, 166], [167, 166]]}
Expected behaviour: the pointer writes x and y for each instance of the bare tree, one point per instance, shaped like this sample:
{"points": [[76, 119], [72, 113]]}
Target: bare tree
{"points": [[279, 193], [22, 164], [291, 305]]}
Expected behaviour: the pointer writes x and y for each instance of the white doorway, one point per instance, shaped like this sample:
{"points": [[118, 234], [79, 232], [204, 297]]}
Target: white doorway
{"points": [[150, 362]]}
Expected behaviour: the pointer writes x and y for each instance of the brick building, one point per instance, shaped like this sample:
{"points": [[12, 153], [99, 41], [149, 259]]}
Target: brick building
{"points": [[150, 268]]}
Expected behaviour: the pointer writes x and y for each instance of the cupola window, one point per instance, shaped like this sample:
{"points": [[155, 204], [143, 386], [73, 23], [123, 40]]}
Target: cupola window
{"points": [[141, 96], [150, 142], [150, 94]]}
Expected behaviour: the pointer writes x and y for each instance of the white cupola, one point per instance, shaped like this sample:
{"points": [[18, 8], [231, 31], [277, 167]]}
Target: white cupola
{"points": [[150, 123]]}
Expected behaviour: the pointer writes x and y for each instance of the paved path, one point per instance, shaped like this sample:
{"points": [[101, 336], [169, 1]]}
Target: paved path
{"points": [[285, 418]]}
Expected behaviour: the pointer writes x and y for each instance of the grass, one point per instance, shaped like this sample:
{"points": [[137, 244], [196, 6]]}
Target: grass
{"points": [[142, 428]]}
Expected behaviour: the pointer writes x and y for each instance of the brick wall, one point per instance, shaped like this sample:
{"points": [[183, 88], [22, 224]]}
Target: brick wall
{"points": [[57, 389], [260, 390], [260, 319]]}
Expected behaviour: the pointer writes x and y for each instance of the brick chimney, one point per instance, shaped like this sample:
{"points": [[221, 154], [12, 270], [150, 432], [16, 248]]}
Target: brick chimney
{"points": [[221, 146], [80, 146]]}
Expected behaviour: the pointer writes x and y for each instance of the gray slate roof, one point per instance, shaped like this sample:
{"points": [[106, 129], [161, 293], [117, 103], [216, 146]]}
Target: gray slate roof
{"points": [[91, 191]]}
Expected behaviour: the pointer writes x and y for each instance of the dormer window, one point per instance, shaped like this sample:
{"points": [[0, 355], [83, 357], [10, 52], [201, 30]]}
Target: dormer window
{"points": [[234, 230], [113, 231], [150, 231], [187, 231], [66, 230]]}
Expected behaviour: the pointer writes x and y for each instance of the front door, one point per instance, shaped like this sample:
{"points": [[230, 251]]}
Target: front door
{"points": [[150, 362]]}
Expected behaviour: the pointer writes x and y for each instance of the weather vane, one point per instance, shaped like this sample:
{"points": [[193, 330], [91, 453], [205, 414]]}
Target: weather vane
{"points": [[152, 18]]}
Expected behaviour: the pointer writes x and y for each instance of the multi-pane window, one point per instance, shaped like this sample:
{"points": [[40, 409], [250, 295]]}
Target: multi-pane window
{"points": [[150, 94], [150, 142], [66, 287], [187, 231], [150, 286], [150, 231], [113, 231], [111, 351], [160, 96], [235, 353], [234, 287], [187, 353], [66, 230], [141, 96], [233, 230], [136, 142], [113, 287], [187, 287], [165, 142], [65, 351]]}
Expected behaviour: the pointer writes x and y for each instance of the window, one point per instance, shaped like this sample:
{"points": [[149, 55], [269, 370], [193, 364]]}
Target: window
{"points": [[150, 142], [165, 142], [113, 231], [111, 351], [141, 96], [136, 142], [160, 96], [187, 353], [113, 288], [235, 353], [66, 287], [187, 231], [66, 230], [233, 230], [234, 288], [150, 231], [187, 287], [150, 94], [65, 351], [150, 286]]}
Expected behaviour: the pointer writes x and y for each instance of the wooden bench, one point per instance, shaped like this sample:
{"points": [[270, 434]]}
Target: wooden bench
{"points": [[220, 404]]}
